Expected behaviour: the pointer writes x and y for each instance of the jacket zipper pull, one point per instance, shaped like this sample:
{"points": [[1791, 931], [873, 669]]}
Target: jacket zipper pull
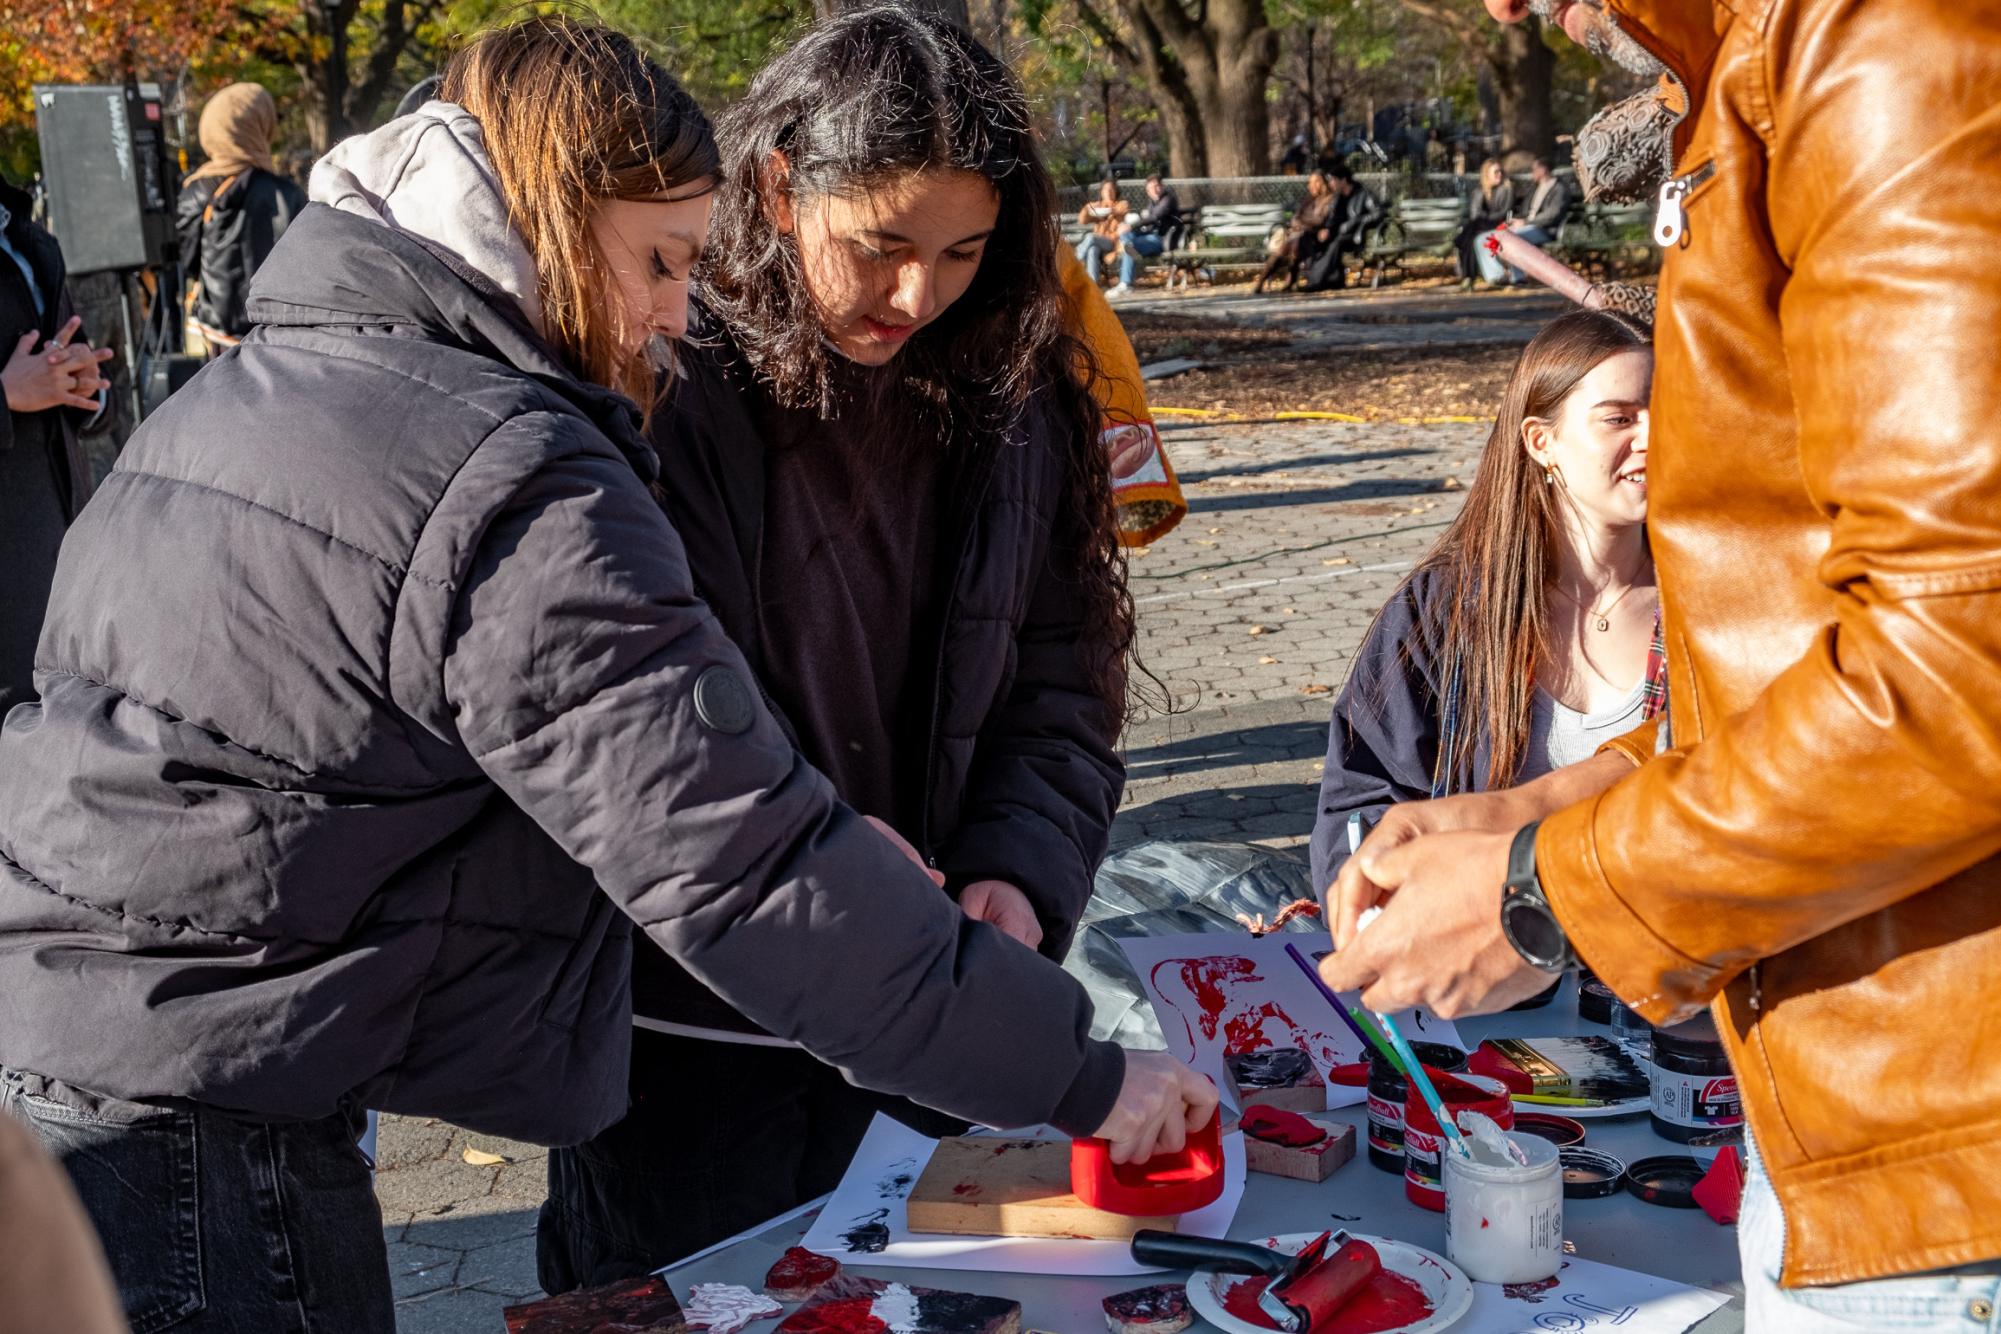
{"points": [[1670, 221]]}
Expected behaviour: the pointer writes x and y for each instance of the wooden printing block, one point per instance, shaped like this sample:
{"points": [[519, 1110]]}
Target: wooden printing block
{"points": [[1281, 1077], [1285, 1144], [981, 1186]]}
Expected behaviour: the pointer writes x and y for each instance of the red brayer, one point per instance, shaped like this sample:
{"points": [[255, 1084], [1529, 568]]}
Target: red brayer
{"points": [[1163, 1185]]}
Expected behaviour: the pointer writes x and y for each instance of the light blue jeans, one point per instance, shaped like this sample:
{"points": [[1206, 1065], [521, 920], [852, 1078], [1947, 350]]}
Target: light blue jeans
{"points": [[1945, 1301], [1491, 268], [1092, 251], [1134, 247]]}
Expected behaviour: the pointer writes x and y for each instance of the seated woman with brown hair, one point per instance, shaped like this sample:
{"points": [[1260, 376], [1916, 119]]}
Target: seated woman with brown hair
{"points": [[1302, 236]]}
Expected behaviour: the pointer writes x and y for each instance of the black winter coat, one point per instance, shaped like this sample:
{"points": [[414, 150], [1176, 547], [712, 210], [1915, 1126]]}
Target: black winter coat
{"points": [[373, 654], [44, 477], [1022, 783], [227, 227]]}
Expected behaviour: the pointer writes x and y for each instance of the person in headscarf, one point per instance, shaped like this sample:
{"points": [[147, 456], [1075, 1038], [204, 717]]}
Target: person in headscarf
{"points": [[233, 209]]}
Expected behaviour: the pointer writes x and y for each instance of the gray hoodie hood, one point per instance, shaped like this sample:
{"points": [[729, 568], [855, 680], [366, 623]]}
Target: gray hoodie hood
{"points": [[427, 173]]}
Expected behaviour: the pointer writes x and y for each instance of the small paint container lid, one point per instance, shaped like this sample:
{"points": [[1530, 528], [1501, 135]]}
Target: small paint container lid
{"points": [[1589, 1174], [1669, 1181], [1561, 1131]]}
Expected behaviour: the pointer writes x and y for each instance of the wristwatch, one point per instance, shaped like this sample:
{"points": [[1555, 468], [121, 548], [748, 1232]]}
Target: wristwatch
{"points": [[1527, 920]]}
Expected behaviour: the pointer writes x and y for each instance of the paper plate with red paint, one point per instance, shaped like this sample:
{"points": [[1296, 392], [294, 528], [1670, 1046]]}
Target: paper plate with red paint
{"points": [[1432, 1296]]}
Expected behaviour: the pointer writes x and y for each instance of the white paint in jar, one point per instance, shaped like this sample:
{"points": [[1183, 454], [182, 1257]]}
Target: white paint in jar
{"points": [[1504, 1220]]}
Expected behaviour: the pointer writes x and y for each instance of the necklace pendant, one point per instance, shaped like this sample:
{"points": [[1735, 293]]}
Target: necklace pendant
{"points": [[1603, 625]]}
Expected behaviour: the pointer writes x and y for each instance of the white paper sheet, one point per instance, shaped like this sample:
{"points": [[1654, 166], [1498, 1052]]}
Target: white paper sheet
{"points": [[1216, 993], [885, 1170], [1587, 1295]]}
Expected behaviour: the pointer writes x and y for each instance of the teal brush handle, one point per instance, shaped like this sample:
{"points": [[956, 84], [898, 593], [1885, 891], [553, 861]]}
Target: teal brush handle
{"points": [[1421, 1081]]}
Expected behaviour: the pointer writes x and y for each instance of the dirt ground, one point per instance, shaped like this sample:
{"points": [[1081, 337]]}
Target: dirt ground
{"points": [[1252, 372]]}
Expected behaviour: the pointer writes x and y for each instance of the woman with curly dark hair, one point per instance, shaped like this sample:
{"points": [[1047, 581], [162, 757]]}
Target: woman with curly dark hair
{"points": [[884, 460]]}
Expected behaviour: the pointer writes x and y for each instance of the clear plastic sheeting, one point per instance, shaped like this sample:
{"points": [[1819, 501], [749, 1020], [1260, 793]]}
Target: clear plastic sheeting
{"points": [[1166, 889]]}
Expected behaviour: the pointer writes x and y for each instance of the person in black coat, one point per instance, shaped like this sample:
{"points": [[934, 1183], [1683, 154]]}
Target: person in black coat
{"points": [[894, 497], [1357, 212], [232, 210], [53, 388]]}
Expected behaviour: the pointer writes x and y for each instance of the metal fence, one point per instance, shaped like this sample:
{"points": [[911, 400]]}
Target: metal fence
{"points": [[1193, 192], [1389, 186]]}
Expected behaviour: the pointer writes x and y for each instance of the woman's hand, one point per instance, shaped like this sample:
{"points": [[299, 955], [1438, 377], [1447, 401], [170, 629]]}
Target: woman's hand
{"points": [[903, 846], [37, 381], [1160, 1103], [83, 361], [1006, 907]]}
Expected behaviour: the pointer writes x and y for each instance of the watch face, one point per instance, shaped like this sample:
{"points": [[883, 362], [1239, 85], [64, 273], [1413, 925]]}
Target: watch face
{"points": [[1533, 931]]}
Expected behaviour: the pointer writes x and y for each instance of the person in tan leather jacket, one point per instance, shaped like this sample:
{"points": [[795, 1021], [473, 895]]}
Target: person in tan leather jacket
{"points": [[1810, 846]]}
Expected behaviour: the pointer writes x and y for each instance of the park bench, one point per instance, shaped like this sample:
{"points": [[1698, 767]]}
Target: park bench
{"points": [[1417, 229], [1223, 236], [1593, 236]]}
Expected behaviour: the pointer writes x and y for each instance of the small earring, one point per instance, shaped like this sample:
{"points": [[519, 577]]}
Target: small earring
{"points": [[1549, 475]]}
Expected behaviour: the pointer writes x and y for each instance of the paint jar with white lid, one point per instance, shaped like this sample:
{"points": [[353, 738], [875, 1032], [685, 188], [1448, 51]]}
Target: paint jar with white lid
{"points": [[1504, 1220]]}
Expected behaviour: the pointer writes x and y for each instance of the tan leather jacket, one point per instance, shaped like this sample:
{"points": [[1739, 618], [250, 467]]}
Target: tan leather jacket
{"points": [[1817, 852]]}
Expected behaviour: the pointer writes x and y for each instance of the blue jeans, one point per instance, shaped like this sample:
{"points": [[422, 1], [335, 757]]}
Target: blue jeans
{"points": [[1946, 1301], [1491, 267], [1092, 251], [216, 1225], [1138, 246]]}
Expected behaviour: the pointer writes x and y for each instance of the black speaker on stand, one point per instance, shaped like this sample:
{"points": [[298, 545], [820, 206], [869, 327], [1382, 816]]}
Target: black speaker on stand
{"points": [[111, 188]]}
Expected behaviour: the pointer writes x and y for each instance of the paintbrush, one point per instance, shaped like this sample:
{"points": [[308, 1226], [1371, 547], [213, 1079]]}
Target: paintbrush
{"points": [[1375, 1039], [1419, 1080], [1595, 1069], [1328, 993]]}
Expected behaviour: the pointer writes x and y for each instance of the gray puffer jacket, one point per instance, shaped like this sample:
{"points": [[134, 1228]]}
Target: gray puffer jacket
{"points": [[372, 662]]}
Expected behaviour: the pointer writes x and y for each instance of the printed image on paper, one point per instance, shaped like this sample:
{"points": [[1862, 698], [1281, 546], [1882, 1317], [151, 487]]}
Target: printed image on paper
{"points": [[1218, 996]]}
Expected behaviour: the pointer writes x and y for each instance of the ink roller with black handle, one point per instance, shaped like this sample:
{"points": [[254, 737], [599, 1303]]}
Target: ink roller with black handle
{"points": [[1305, 1291]]}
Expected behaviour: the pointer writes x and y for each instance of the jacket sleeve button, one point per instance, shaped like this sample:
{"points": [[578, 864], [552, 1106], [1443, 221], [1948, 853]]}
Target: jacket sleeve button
{"points": [[723, 702]]}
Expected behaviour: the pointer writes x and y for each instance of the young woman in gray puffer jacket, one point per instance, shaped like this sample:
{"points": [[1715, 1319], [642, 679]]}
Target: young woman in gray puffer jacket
{"points": [[376, 697]]}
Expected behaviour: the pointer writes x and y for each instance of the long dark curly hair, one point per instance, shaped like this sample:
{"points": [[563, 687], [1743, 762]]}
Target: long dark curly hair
{"points": [[876, 96]]}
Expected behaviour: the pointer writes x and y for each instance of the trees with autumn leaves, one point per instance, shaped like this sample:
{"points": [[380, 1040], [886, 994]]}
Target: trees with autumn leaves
{"points": [[1201, 83]]}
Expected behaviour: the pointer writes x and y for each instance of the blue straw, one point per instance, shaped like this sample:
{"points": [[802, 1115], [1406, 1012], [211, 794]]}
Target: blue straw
{"points": [[1419, 1080]]}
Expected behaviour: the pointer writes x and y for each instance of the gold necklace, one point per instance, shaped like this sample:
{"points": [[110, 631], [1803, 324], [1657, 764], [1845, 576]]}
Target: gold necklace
{"points": [[1599, 618]]}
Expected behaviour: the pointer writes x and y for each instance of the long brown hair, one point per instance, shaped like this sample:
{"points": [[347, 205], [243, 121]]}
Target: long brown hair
{"points": [[874, 96], [1496, 560], [574, 113]]}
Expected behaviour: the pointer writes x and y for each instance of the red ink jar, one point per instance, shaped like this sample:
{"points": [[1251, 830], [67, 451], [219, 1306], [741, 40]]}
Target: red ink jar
{"points": [[1423, 1182], [1386, 1098]]}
